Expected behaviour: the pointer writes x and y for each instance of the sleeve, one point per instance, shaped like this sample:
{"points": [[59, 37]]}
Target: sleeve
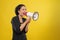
{"points": [[15, 26]]}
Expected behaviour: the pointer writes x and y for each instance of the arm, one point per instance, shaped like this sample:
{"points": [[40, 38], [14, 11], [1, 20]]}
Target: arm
{"points": [[24, 24], [15, 26], [18, 28], [26, 29]]}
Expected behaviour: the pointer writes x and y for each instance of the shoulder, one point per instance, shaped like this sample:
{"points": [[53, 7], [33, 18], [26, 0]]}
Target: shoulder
{"points": [[14, 18]]}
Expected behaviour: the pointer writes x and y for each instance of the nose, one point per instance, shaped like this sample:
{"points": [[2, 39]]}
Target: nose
{"points": [[24, 10]]}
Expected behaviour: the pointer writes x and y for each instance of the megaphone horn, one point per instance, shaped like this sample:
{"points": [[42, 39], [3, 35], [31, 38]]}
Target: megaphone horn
{"points": [[34, 15]]}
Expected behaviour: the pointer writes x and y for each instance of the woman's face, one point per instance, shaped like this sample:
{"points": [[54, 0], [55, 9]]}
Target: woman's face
{"points": [[22, 10]]}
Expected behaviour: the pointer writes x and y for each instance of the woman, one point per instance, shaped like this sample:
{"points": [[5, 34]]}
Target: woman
{"points": [[20, 24]]}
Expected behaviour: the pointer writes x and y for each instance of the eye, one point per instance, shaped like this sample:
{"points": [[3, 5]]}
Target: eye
{"points": [[23, 9]]}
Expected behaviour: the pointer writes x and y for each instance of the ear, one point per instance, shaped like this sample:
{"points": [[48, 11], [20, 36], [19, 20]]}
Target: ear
{"points": [[18, 11]]}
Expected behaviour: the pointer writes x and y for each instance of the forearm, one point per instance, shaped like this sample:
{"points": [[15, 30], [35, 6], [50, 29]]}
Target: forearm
{"points": [[26, 29], [23, 25]]}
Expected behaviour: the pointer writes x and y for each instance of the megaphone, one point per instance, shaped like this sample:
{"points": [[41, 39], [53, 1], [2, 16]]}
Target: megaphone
{"points": [[34, 15]]}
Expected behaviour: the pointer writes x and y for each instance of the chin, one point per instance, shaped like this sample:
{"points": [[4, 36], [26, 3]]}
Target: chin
{"points": [[21, 15]]}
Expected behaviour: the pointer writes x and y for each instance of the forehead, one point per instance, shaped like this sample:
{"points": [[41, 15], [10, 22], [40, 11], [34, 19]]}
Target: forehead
{"points": [[23, 7]]}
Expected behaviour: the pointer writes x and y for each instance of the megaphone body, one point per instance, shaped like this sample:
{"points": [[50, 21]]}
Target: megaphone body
{"points": [[34, 15]]}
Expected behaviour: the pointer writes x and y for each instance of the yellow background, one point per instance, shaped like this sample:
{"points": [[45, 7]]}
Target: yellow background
{"points": [[47, 27]]}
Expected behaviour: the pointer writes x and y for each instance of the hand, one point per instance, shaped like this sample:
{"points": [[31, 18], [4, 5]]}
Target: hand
{"points": [[28, 19]]}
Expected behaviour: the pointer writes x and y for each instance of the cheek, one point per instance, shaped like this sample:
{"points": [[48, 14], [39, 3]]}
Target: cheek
{"points": [[22, 11]]}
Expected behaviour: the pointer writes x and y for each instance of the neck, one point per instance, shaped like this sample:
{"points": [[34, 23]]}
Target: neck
{"points": [[20, 18]]}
